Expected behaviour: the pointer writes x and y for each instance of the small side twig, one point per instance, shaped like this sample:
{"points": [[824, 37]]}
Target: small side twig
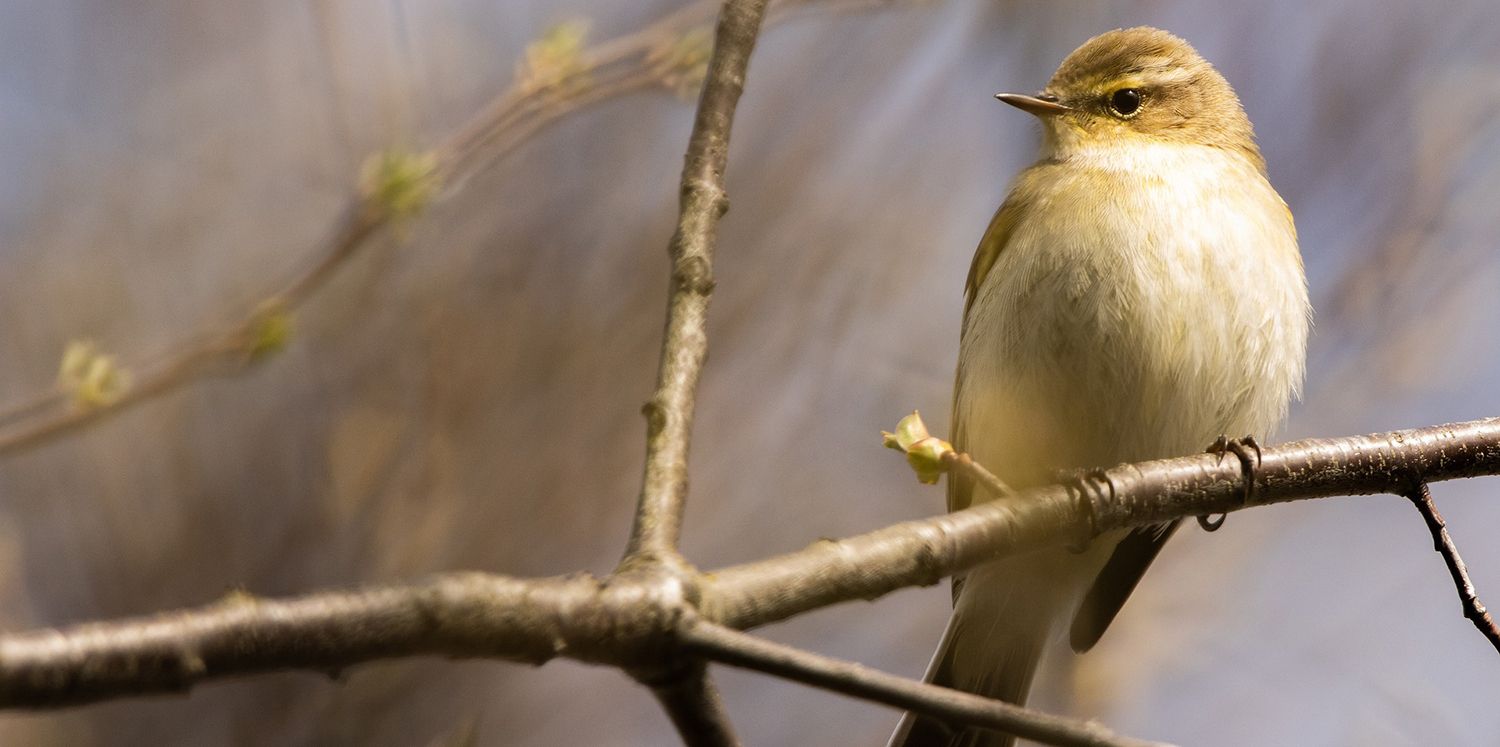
{"points": [[1421, 497], [728, 646], [931, 456], [962, 463]]}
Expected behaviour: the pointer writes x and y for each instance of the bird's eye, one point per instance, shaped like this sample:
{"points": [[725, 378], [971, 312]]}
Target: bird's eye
{"points": [[1125, 102]]}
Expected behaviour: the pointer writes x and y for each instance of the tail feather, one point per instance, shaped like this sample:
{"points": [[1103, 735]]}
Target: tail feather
{"points": [[991, 648]]}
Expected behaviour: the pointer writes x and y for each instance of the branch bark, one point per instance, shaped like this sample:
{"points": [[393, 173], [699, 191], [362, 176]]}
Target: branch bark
{"points": [[669, 412], [686, 692], [924, 552], [1442, 542], [692, 702], [732, 647], [459, 615], [633, 620]]}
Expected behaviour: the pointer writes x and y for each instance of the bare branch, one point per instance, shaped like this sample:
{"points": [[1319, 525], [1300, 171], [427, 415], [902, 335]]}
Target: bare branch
{"points": [[669, 412], [961, 462], [457, 615], [693, 703], [732, 647], [634, 620], [925, 551], [1474, 610]]}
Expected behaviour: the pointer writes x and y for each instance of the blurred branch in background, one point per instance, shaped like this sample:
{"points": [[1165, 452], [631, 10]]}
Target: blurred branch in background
{"points": [[559, 75], [1420, 252]]}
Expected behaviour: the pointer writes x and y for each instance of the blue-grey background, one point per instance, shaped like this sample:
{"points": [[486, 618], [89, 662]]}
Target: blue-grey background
{"points": [[163, 163]]}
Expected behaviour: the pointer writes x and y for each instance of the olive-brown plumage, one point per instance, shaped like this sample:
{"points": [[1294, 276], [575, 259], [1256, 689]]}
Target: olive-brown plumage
{"points": [[1139, 293]]}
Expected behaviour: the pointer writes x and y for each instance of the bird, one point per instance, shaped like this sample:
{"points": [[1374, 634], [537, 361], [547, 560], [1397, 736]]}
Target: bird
{"points": [[1139, 294]]}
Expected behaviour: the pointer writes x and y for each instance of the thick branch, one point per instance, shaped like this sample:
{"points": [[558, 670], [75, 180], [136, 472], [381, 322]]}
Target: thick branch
{"points": [[923, 552], [669, 413], [459, 615], [732, 647]]}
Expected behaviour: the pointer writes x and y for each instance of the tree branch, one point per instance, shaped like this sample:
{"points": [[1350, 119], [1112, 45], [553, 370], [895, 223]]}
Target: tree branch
{"points": [[634, 620], [693, 703], [1442, 542], [669, 412], [924, 552], [458, 615], [732, 647]]}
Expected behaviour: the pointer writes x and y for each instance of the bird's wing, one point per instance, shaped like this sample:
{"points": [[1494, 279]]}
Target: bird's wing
{"points": [[1134, 554], [995, 239], [960, 488], [1114, 583]]}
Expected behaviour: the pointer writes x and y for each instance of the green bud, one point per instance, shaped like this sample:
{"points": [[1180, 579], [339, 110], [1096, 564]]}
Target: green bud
{"points": [[399, 184], [270, 330]]}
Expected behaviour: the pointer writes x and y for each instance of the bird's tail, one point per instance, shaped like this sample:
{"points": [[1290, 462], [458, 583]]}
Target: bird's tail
{"points": [[991, 648]]}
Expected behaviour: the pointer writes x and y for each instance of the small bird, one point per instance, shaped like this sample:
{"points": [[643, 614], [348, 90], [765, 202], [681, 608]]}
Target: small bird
{"points": [[1138, 295]]}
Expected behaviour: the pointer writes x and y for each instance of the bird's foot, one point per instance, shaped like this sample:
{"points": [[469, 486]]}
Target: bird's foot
{"points": [[1088, 482], [1242, 449]]}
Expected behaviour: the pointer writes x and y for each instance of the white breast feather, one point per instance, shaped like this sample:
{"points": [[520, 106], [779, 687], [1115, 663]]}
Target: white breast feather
{"points": [[1139, 326]]}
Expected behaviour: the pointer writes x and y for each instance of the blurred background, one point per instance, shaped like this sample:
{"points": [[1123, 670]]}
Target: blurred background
{"points": [[464, 394]]}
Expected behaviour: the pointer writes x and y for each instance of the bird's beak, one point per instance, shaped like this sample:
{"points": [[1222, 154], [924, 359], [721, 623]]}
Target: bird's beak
{"points": [[1042, 104]]}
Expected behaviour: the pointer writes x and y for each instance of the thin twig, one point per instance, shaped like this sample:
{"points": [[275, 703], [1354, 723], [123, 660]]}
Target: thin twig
{"points": [[961, 462], [732, 647], [669, 412], [693, 703], [1474, 610]]}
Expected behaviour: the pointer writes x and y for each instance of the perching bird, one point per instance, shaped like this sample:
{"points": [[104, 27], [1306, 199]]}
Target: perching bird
{"points": [[1138, 294]]}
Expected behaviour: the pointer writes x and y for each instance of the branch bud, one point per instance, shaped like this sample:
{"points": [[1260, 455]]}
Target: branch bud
{"points": [[399, 185], [270, 330], [924, 452], [554, 63], [93, 378], [682, 63]]}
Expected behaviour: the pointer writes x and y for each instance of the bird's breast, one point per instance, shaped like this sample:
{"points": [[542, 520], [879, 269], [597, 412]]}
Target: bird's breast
{"points": [[1141, 306]]}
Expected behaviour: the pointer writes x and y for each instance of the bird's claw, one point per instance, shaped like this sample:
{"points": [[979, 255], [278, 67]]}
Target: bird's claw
{"points": [[1241, 448], [1086, 481]]}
